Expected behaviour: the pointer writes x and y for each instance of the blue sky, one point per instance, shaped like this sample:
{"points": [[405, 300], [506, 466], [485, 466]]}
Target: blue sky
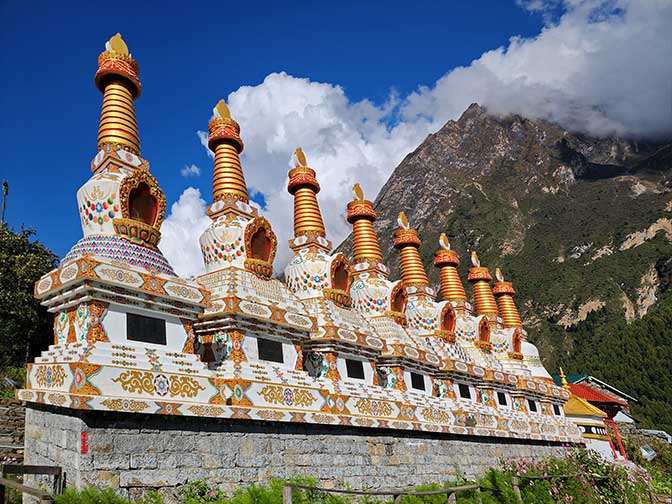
{"points": [[358, 85], [191, 56]]}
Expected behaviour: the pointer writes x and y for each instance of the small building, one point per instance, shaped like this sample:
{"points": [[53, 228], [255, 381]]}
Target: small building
{"points": [[604, 397]]}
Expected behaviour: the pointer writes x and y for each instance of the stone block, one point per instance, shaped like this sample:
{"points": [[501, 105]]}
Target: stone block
{"points": [[153, 478], [107, 461], [143, 461]]}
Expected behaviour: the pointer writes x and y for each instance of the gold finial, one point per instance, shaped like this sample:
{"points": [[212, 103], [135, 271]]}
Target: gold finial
{"points": [[362, 216], [402, 220], [117, 44], [443, 242], [304, 187], [447, 261], [563, 380], [299, 158], [475, 260], [221, 110], [504, 293], [357, 192], [117, 78], [228, 181]]}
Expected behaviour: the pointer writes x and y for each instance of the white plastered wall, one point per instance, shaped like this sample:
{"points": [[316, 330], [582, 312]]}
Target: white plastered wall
{"points": [[343, 370], [426, 379], [114, 324], [289, 353]]}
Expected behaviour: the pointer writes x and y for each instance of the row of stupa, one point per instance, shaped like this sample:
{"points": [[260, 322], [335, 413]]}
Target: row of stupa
{"points": [[336, 343]]}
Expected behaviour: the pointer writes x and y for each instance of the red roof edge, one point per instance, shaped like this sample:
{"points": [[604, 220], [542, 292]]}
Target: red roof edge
{"points": [[592, 395]]}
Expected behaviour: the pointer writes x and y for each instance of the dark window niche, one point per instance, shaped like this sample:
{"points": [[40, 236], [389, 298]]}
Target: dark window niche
{"points": [[269, 350], [532, 405], [465, 392], [145, 329], [354, 368], [556, 410], [417, 381], [501, 399]]}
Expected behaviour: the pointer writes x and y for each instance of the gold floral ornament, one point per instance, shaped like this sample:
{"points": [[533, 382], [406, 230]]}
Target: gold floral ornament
{"points": [[276, 394], [139, 382], [143, 208], [50, 376]]}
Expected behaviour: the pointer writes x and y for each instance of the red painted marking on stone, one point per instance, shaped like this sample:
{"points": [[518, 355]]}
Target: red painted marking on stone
{"points": [[84, 446]]}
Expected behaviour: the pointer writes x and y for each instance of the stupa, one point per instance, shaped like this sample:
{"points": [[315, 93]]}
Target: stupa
{"points": [[337, 345]]}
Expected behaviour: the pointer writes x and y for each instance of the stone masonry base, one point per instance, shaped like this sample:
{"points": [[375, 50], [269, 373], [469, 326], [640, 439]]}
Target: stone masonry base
{"points": [[134, 453]]}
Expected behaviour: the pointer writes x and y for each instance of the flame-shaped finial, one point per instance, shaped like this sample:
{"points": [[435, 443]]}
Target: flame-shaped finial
{"points": [[443, 242], [299, 158], [116, 44], [221, 110], [563, 380], [357, 192], [498, 275], [475, 260], [402, 220]]}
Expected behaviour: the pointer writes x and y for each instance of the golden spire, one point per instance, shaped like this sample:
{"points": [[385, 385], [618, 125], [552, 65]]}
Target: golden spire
{"points": [[228, 182], [407, 242], [563, 380], [446, 259], [117, 78], [479, 278], [504, 292], [304, 187], [362, 216]]}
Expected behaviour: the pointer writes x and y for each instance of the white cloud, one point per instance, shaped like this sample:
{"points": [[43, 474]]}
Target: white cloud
{"points": [[601, 67], [180, 232], [190, 170]]}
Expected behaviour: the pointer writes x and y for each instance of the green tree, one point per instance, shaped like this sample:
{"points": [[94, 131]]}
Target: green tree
{"points": [[25, 325]]}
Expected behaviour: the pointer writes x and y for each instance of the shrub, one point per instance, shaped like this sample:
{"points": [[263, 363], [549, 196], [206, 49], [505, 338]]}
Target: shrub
{"points": [[93, 495]]}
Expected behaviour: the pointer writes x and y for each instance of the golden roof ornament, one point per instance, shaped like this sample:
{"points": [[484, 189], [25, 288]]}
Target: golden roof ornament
{"points": [[221, 110], [446, 259], [117, 44], [402, 220], [228, 182], [504, 293], [406, 240], [300, 158], [117, 78], [303, 185], [563, 380], [361, 215], [443, 242], [357, 192], [475, 260], [479, 277]]}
